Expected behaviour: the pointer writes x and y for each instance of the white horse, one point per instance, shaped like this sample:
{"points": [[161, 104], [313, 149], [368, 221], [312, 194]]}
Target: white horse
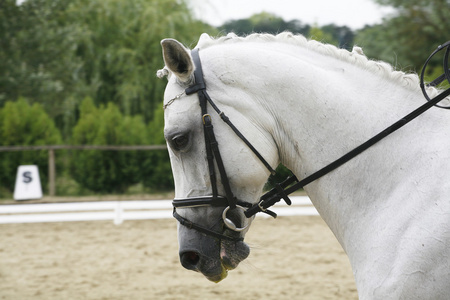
{"points": [[304, 104]]}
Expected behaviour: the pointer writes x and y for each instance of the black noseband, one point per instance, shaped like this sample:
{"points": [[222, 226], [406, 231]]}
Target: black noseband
{"points": [[205, 201]]}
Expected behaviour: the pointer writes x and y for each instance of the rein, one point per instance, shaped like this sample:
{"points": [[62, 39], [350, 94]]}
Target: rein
{"points": [[291, 184]]}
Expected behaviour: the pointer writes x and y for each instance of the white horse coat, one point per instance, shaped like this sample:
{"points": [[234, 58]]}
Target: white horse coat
{"points": [[305, 104]]}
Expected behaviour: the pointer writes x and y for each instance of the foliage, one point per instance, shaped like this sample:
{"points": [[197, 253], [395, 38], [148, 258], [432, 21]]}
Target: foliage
{"points": [[121, 51], [318, 34], [24, 124], [36, 57], [282, 173], [264, 23], [57, 52], [341, 36], [157, 172], [107, 171], [408, 37]]}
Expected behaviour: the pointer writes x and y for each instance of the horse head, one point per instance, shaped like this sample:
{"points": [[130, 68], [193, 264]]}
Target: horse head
{"points": [[211, 194]]}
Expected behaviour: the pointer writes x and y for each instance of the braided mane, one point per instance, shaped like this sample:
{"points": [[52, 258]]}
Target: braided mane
{"points": [[355, 57]]}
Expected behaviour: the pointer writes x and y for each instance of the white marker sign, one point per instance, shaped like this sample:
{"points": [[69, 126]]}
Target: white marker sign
{"points": [[28, 183]]}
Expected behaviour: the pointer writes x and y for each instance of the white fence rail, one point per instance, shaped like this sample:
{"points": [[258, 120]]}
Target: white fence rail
{"points": [[119, 211]]}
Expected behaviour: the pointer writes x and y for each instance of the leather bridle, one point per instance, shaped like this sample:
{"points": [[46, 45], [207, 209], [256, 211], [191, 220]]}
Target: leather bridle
{"points": [[229, 201], [291, 184]]}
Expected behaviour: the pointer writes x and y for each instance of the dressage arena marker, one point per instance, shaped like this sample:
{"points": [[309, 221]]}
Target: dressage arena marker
{"points": [[28, 183], [119, 211]]}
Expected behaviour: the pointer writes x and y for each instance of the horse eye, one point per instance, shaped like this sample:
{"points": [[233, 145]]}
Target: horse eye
{"points": [[180, 142]]}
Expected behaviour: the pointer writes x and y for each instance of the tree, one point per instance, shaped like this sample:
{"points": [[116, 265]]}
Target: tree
{"points": [[319, 35], [342, 35], [156, 168], [28, 125], [406, 38], [57, 52], [36, 55], [264, 23], [107, 171], [122, 48]]}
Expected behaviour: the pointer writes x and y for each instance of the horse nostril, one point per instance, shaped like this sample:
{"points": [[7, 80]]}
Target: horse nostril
{"points": [[189, 260]]}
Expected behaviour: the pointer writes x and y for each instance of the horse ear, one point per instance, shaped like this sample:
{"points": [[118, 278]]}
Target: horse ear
{"points": [[178, 59]]}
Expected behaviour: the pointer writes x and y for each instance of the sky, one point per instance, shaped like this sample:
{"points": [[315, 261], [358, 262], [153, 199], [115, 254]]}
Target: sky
{"points": [[352, 13]]}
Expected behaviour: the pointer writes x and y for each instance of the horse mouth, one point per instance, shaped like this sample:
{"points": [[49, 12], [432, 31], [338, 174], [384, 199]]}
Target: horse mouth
{"points": [[229, 260], [231, 254], [213, 257], [219, 277]]}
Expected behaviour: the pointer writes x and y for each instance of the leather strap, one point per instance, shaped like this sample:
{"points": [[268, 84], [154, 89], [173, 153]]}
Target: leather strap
{"points": [[209, 129], [240, 135], [201, 201], [201, 86], [190, 225]]}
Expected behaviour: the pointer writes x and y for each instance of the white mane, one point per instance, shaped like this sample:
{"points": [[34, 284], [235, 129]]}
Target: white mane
{"points": [[356, 57]]}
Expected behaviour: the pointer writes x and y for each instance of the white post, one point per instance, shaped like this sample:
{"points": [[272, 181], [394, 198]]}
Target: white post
{"points": [[51, 172], [118, 213]]}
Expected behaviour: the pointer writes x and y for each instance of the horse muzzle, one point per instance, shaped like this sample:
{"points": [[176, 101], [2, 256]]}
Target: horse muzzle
{"points": [[215, 268], [209, 255]]}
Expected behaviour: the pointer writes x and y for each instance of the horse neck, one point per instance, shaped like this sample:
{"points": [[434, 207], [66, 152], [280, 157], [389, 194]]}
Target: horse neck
{"points": [[316, 109], [327, 113], [327, 122], [320, 108]]}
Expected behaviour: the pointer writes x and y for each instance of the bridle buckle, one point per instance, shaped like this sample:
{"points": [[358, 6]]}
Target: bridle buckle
{"points": [[261, 207], [206, 118]]}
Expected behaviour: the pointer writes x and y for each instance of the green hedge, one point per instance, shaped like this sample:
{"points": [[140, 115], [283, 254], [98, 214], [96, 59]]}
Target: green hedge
{"points": [[156, 169], [24, 124], [107, 171], [93, 170]]}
